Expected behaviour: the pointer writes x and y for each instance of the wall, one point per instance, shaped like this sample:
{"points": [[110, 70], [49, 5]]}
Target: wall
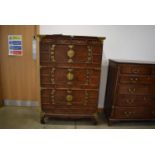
{"points": [[122, 42]]}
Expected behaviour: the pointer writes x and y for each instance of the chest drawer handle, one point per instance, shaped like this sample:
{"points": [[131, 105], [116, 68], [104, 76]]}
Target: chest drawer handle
{"points": [[130, 101], [70, 76], [131, 79], [131, 90], [153, 113], [135, 71], [145, 99], [134, 79], [128, 113], [69, 98]]}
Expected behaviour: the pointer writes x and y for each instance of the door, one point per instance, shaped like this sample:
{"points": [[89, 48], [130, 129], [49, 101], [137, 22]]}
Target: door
{"points": [[19, 75]]}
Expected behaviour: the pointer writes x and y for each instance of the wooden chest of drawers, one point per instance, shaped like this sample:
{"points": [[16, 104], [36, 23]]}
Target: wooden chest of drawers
{"points": [[130, 91], [69, 76]]}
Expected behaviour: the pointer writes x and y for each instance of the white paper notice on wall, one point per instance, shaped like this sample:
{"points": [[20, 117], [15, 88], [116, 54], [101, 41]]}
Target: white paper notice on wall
{"points": [[34, 49], [15, 46]]}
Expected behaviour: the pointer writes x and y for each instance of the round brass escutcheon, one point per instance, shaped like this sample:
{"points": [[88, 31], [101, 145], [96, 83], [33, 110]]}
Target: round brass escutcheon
{"points": [[70, 76], [70, 53], [69, 98]]}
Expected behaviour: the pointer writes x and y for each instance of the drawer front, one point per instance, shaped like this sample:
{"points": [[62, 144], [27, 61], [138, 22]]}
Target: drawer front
{"points": [[136, 90], [69, 97], [70, 54], [135, 100], [135, 69], [136, 79], [70, 76], [134, 113], [74, 111]]}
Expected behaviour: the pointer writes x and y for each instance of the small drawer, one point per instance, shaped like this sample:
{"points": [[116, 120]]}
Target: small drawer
{"points": [[70, 76], [134, 113], [68, 97], [128, 79], [135, 100], [64, 54], [129, 113], [67, 110], [136, 90], [135, 69]]}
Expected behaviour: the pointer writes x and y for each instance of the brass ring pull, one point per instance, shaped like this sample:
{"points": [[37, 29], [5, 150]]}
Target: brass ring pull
{"points": [[69, 98], [134, 79], [70, 76], [70, 53], [130, 101], [153, 113], [131, 79], [128, 113], [131, 90]]}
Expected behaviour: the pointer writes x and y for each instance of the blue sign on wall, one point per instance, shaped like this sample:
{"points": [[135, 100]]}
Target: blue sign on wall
{"points": [[15, 45]]}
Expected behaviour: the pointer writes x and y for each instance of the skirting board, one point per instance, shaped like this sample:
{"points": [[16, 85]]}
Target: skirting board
{"points": [[1, 103], [20, 103], [27, 103]]}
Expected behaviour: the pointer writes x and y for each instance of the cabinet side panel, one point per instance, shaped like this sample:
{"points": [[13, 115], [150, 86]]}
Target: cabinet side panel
{"points": [[110, 88]]}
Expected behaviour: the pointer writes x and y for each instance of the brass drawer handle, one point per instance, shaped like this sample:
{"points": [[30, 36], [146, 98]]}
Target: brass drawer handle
{"points": [[153, 113], [132, 90], [145, 99], [130, 101], [70, 76], [134, 79], [128, 113], [135, 71], [69, 98], [70, 53], [131, 79]]}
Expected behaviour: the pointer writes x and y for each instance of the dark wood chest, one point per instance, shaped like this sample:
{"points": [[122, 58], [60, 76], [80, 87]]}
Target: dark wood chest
{"points": [[70, 75], [130, 91]]}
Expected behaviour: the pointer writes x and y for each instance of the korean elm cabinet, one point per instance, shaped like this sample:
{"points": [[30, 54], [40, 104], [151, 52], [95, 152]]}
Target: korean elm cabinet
{"points": [[70, 69], [130, 93]]}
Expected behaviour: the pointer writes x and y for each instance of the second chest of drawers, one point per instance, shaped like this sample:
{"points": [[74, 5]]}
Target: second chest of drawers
{"points": [[130, 91]]}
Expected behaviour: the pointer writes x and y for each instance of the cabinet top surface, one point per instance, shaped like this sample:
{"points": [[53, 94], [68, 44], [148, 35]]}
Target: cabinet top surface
{"points": [[59, 36], [132, 61]]}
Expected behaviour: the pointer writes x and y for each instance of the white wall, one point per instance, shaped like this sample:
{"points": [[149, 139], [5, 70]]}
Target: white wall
{"points": [[122, 42]]}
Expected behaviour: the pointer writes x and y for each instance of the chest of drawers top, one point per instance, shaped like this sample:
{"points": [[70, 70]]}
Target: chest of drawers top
{"points": [[76, 40]]}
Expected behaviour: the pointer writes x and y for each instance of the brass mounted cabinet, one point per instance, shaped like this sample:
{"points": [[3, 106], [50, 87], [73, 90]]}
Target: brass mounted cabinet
{"points": [[70, 76]]}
